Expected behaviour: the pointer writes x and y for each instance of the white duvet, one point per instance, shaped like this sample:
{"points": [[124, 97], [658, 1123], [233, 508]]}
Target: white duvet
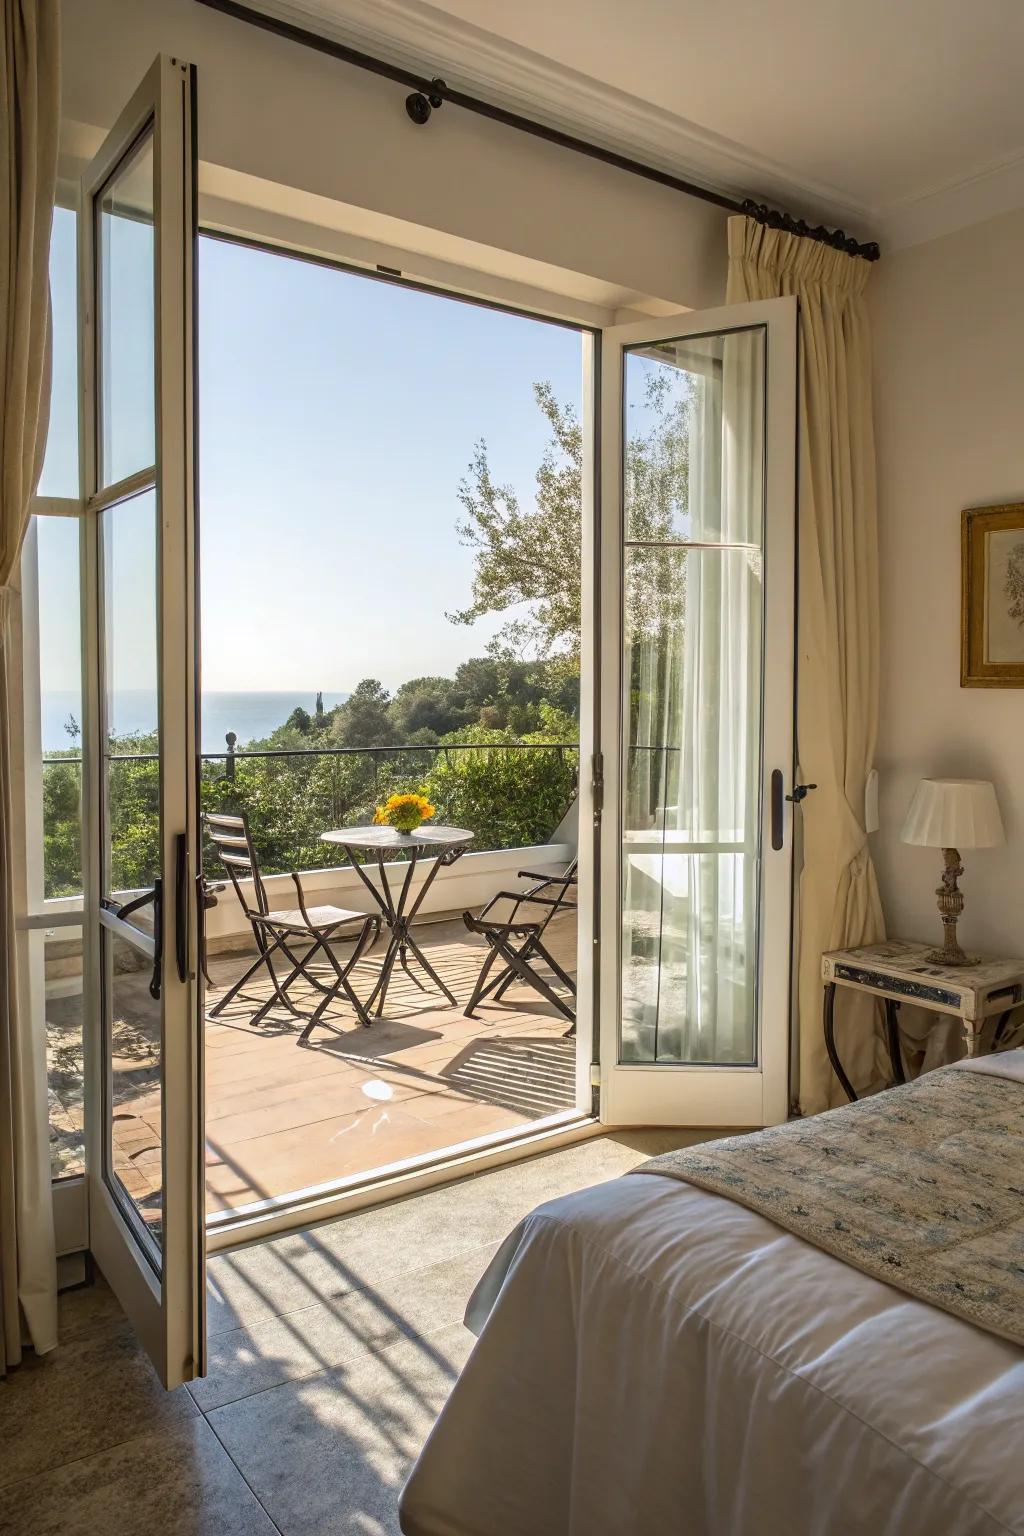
{"points": [[657, 1359]]}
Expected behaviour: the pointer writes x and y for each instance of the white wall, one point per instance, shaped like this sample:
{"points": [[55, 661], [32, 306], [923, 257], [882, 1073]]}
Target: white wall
{"points": [[949, 404], [273, 110]]}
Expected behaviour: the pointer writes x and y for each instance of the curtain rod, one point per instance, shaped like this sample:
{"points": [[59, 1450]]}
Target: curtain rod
{"points": [[426, 95]]}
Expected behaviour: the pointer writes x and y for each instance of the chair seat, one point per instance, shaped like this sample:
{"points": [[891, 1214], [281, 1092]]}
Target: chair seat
{"points": [[319, 917], [495, 925]]}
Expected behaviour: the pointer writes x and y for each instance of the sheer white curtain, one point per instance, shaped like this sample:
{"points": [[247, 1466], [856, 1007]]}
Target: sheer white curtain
{"points": [[29, 130], [694, 754]]}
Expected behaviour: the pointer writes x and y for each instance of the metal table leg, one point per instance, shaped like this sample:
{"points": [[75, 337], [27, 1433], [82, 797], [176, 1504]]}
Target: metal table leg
{"points": [[892, 1035], [1000, 1029], [399, 921], [829, 1021]]}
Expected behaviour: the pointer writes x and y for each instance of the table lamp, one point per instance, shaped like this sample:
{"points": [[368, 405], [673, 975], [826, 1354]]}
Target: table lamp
{"points": [[952, 814]]}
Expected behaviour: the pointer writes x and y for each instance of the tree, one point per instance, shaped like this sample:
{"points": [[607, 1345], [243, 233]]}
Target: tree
{"points": [[425, 708], [300, 720], [363, 720], [531, 558], [528, 557]]}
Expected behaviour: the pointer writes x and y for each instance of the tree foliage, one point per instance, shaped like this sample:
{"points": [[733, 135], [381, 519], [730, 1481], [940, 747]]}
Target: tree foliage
{"points": [[452, 738], [527, 559], [474, 774]]}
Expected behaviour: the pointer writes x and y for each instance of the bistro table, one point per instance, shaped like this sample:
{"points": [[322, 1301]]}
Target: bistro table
{"points": [[441, 844]]}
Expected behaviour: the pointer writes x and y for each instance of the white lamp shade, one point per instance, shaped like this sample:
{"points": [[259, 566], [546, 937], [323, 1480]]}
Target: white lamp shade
{"points": [[954, 813]]}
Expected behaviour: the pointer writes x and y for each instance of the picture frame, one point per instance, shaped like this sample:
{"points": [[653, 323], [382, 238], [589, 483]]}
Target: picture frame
{"points": [[992, 597]]}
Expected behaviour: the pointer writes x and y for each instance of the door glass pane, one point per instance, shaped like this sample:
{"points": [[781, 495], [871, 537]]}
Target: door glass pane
{"points": [[694, 439], [692, 703], [65, 1066], [125, 277], [133, 1022], [60, 715], [128, 535], [60, 466], [60, 703]]}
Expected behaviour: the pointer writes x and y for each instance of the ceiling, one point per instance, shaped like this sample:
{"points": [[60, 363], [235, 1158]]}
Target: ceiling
{"points": [[903, 117]]}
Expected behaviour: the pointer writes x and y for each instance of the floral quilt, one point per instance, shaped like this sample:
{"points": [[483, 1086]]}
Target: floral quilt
{"points": [[921, 1186]]}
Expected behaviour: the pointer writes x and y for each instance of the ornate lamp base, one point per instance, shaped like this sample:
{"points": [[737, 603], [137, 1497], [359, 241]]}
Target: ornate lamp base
{"points": [[951, 904]]}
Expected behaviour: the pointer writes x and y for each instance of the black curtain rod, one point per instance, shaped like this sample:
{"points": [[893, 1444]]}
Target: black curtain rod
{"points": [[428, 94]]}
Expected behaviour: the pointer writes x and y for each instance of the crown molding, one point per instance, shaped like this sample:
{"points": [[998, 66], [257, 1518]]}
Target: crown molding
{"points": [[995, 189], [428, 41]]}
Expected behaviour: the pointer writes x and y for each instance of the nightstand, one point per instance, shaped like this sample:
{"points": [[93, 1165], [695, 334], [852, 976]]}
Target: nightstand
{"points": [[898, 971]]}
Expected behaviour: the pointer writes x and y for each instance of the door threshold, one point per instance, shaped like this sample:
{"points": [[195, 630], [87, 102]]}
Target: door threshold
{"points": [[319, 1203]]}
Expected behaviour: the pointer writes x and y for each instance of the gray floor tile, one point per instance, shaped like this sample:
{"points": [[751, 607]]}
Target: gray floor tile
{"points": [[329, 1456], [414, 1305], [89, 1394], [87, 1308], [176, 1483], [369, 1247]]}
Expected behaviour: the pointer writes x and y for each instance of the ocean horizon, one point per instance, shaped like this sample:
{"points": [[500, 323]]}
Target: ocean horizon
{"points": [[251, 715]]}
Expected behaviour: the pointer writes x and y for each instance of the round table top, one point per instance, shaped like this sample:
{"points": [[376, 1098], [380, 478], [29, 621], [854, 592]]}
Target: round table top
{"points": [[389, 837]]}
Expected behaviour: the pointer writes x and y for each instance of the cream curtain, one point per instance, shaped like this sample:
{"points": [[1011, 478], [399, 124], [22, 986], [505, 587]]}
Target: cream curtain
{"points": [[837, 639], [29, 125]]}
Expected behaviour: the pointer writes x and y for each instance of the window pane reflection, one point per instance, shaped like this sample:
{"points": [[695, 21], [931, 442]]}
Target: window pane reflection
{"points": [[126, 278]]}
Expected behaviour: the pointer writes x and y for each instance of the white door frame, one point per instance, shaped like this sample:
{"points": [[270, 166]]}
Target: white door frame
{"points": [[165, 1296], [667, 1093]]}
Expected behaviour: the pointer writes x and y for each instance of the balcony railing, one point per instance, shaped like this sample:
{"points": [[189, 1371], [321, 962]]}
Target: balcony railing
{"points": [[510, 794]]}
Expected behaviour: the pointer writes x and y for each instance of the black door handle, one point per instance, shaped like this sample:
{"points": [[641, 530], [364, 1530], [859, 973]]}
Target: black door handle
{"points": [[778, 813], [800, 792], [158, 934], [127, 908], [181, 905]]}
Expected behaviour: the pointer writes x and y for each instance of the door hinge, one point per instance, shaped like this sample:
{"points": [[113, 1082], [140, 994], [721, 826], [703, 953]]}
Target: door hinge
{"points": [[595, 1090], [597, 783], [595, 1074]]}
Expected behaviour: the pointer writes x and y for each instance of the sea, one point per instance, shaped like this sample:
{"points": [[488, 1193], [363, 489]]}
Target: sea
{"points": [[252, 716]]}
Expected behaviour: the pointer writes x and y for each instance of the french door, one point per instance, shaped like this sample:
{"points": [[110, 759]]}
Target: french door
{"points": [[697, 516], [143, 987]]}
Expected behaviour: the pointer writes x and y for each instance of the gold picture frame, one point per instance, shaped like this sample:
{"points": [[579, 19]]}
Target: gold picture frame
{"points": [[992, 597]]}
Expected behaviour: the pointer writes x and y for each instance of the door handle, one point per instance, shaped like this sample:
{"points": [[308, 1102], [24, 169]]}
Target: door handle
{"points": [[127, 908], [778, 810], [181, 905], [206, 897]]}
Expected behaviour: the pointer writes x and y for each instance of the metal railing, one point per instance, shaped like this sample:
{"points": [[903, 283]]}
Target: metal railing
{"points": [[508, 793]]}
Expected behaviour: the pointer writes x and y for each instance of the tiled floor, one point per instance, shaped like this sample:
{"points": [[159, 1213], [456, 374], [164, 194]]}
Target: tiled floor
{"points": [[331, 1353]]}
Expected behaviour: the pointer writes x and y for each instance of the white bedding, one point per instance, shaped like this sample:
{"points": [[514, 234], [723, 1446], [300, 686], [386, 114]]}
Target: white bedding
{"points": [[657, 1359]]}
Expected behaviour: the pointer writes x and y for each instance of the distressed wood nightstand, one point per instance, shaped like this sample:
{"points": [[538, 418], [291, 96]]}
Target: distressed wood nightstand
{"points": [[898, 971]]}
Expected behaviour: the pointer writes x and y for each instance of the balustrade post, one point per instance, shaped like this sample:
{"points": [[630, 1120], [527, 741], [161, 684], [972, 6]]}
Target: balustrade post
{"points": [[229, 760]]}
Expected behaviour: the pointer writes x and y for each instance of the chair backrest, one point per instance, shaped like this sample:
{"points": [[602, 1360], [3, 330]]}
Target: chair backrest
{"points": [[234, 846]]}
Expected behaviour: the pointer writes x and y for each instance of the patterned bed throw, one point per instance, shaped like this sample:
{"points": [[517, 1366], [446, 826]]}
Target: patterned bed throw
{"points": [[921, 1186]]}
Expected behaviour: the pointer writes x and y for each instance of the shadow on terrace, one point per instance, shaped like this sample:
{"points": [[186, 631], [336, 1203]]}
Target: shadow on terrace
{"points": [[424, 1077]]}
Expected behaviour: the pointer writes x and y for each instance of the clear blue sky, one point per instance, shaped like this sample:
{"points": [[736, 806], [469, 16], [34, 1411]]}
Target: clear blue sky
{"points": [[337, 415]]}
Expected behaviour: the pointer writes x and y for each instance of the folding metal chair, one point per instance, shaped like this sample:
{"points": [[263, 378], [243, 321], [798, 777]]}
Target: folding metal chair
{"points": [[518, 941], [281, 931]]}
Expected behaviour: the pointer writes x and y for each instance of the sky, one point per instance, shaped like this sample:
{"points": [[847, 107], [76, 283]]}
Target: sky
{"points": [[337, 416]]}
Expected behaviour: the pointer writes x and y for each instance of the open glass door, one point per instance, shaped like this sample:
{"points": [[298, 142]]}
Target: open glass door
{"points": [[698, 499], [143, 990]]}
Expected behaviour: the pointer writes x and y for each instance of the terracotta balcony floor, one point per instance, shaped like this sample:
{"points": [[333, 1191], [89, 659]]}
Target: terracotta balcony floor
{"points": [[280, 1117]]}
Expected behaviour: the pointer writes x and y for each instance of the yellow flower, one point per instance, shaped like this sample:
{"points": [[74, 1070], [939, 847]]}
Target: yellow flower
{"points": [[406, 808]]}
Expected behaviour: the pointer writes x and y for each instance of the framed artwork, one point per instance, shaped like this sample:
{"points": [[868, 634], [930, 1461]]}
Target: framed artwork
{"points": [[992, 611]]}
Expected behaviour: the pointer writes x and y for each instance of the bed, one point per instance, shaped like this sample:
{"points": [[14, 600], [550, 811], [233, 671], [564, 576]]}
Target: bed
{"points": [[654, 1357]]}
